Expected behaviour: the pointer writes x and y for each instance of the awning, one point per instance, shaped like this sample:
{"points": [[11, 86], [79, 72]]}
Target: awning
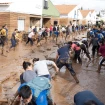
{"points": [[36, 16]]}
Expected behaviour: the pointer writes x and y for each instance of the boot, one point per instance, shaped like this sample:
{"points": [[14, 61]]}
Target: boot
{"points": [[99, 68], [77, 81]]}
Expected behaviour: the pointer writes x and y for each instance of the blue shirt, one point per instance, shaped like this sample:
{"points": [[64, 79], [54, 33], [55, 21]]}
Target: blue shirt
{"points": [[63, 52], [84, 96], [41, 99]]}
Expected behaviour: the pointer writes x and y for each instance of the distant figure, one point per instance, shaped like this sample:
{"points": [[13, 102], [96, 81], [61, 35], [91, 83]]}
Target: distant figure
{"points": [[13, 39], [30, 29], [86, 98], [30, 36]]}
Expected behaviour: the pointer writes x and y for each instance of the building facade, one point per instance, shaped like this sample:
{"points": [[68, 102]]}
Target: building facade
{"points": [[69, 13], [22, 15]]}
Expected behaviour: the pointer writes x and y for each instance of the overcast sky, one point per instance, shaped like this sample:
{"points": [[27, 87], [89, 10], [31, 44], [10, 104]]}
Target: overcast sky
{"points": [[86, 4]]}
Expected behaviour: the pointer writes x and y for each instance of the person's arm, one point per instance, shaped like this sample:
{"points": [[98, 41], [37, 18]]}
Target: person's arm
{"points": [[71, 52], [48, 62], [57, 56], [35, 70], [55, 67]]}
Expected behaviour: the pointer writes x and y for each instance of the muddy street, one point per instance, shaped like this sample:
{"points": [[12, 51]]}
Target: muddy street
{"points": [[63, 86]]}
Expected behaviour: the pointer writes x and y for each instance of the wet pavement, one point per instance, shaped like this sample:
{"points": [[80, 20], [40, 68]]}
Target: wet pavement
{"points": [[64, 86]]}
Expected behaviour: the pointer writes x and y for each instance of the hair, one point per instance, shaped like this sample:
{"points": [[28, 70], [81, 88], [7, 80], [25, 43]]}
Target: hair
{"points": [[70, 42], [15, 29], [35, 59], [25, 92], [26, 64], [102, 42], [3, 26], [90, 102]]}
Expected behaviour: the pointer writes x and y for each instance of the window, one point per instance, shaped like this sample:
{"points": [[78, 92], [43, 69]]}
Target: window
{"points": [[20, 25], [45, 4], [74, 14]]}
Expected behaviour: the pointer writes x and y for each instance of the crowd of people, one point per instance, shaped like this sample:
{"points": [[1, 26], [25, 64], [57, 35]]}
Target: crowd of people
{"points": [[36, 79]]}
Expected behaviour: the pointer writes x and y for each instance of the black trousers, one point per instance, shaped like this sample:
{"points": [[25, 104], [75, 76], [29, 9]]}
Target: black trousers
{"points": [[77, 56], [30, 40], [94, 49]]}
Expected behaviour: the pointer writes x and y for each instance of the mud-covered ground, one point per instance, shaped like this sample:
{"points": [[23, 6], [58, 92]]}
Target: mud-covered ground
{"points": [[63, 87]]}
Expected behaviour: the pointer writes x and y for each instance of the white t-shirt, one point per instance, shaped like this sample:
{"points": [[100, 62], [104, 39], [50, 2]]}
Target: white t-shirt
{"points": [[63, 29], [84, 39], [31, 35], [40, 67], [39, 33], [30, 30]]}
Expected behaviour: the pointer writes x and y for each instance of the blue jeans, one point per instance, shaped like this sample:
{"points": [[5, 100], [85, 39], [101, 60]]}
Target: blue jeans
{"points": [[13, 42], [67, 63], [47, 76], [30, 40]]}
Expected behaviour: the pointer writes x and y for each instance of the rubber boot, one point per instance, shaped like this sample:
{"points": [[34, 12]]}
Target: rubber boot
{"points": [[99, 68], [77, 81]]}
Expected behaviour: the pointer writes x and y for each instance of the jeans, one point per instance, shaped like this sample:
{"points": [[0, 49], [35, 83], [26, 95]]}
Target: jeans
{"points": [[61, 63], [50, 33], [47, 76], [102, 61], [13, 42]]}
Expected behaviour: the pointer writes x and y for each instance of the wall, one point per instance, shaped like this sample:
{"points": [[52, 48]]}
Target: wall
{"points": [[51, 11], [46, 22], [94, 17], [34, 22], [14, 21], [88, 17], [63, 21], [71, 13], [78, 15], [63, 16], [11, 19], [4, 8], [28, 7], [54, 19], [5, 19]]}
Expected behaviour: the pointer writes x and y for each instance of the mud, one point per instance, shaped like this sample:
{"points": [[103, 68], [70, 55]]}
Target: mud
{"points": [[63, 86]]}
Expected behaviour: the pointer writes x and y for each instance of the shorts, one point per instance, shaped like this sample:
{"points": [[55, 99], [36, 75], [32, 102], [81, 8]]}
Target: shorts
{"points": [[102, 61], [56, 33]]}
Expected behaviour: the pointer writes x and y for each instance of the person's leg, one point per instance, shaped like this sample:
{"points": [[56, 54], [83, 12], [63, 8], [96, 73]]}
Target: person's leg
{"points": [[59, 64], [12, 44], [78, 56], [97, 48], [70, 68], [28, 41], [85, 51], [93, 51], [31, 41], [100, 64]]}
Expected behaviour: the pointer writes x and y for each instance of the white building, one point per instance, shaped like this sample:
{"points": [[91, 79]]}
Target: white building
{"points": [[86, 16], [28, 7], [69, 13], [93, 16]]}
